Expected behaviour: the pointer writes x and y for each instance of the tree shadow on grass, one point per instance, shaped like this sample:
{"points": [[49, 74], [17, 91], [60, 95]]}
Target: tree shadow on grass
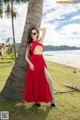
{"points": [[31, 112]]}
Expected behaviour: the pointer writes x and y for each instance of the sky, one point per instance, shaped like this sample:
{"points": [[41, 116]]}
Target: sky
{"points": [[62, 22], [76, 0]]}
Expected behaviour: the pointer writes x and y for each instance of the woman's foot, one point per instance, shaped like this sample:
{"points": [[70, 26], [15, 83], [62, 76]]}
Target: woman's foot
{"points": [[53, 103], [38, 104]]}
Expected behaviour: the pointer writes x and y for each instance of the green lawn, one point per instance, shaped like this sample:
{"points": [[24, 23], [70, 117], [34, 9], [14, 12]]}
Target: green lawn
{"points": [[68, 104]]}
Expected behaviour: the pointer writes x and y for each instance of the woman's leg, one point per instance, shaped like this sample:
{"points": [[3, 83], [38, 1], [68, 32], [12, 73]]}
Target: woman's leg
{"points": [[50, 82]]}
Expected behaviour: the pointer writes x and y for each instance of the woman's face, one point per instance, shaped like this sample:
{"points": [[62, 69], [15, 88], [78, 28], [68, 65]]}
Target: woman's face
{"points": [[34, 34]]}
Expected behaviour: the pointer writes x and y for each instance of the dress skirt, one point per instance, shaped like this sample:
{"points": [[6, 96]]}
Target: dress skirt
{"points": [[37, 87]]}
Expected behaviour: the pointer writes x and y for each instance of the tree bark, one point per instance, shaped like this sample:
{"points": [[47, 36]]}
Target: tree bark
{"points": [[15, 84], [13, 34]]}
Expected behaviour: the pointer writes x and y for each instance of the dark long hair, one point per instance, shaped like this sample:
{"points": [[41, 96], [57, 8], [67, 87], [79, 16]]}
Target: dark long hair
{"points": [[29, 35]]}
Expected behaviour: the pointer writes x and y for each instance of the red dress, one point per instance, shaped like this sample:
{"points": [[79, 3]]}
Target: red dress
{"points": [[37, 88]]}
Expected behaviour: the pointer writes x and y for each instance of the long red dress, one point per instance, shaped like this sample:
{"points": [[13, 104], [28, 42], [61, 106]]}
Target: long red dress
{"points": [[37, 88]]}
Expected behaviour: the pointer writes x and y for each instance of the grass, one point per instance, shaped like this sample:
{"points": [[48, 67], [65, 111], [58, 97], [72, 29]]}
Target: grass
{"points": [[6, 65], [68, 104]]}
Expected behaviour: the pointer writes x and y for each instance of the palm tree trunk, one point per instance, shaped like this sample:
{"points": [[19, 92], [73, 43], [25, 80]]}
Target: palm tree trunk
{"points": [[15, 84], [14, 44]]}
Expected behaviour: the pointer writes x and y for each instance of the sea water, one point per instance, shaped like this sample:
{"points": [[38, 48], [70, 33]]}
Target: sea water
{"points": [[67, 57]]}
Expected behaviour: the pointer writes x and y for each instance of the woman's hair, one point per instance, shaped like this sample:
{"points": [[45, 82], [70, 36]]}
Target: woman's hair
{"points": [[29, 35]]}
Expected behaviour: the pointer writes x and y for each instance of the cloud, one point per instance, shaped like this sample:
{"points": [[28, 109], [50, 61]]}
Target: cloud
{"points": [[70, 28], [6, 25], [75, 0], [61, 21], [76, 17]]}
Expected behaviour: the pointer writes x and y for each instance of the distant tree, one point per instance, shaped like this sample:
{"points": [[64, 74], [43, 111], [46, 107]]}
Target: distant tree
{"points": [[10, 13], [2, 50]]}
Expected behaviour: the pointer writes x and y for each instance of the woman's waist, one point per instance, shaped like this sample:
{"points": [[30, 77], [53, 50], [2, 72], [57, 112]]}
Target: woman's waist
{"points": [[40, 54], [37, 54]]}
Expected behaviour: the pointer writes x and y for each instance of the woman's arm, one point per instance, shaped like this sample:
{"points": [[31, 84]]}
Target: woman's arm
{"points": [[27, 59], [43, 34]]}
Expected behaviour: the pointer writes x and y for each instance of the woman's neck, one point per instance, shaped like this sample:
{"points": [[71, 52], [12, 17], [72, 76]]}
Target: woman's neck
{"points": [[34, 40]]}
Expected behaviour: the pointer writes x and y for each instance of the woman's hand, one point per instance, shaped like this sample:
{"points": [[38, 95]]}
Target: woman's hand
{"points": [[42, 29], [31, 66]]}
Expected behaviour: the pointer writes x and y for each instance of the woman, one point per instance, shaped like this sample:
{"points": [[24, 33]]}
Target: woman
{"points": [[39, 86]]}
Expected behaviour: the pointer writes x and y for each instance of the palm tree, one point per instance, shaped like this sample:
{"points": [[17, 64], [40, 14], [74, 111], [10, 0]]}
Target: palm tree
{"points": [[1, 9], [9, 12], [14, 86], [14, 43]]}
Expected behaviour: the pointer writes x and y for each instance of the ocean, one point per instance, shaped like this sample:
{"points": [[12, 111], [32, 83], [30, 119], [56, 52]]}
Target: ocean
{"points": [[66, 57]]}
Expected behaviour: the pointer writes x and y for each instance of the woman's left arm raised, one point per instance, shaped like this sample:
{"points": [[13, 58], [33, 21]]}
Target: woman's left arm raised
{"points": [[43, 34]]}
